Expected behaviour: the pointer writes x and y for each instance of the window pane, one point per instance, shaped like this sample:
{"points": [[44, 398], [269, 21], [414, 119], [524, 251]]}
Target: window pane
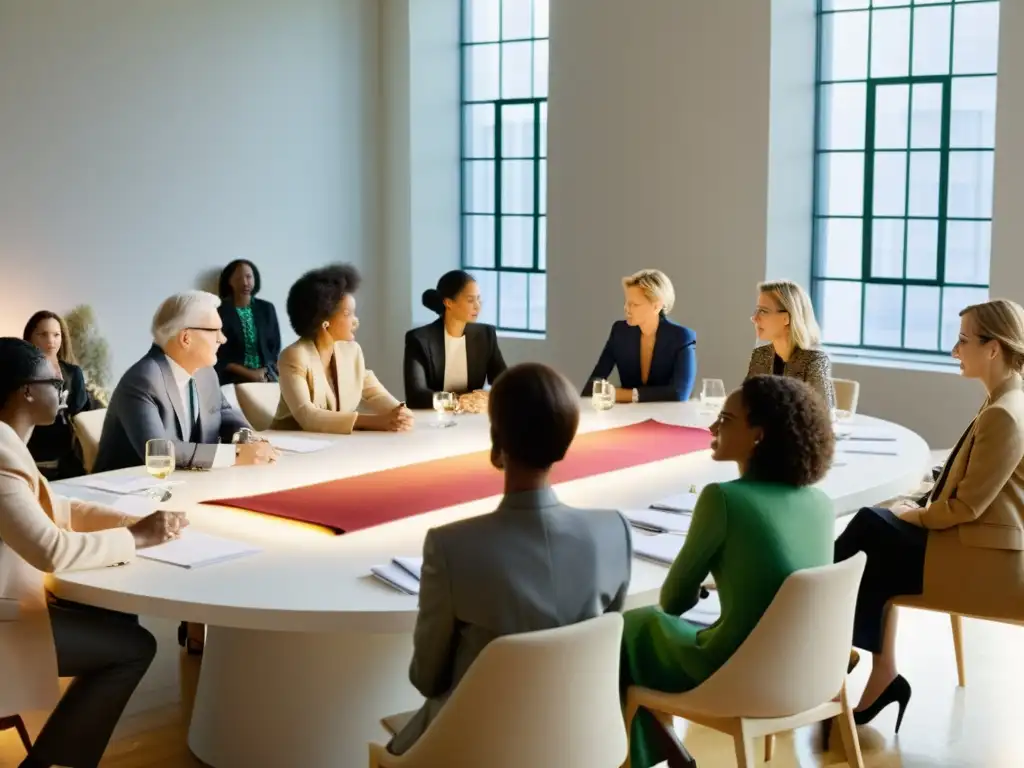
{"points": [[516, 70], [517, 241], [540, 69], [975, 38], [542, 187], [542, 243], [931, 40], [892, 105], [842, 116], [844, 46], [478, 121], [922, 250], [541, 14], [840, 251], [973, 112], [843, 5], [478, 177], [517, 128], [538, 301], [512, 312], [544, 129], [890, 184], [968, 251], [923, 190], [921, 323], [483, 18], [481, 72], [953, 300], [516, 19], [883, 315], [890, 43], [840, 312], [841, 184], [517, 186], [478, 236], [488, 282], [970, 185], [888, 3], [887, 248], [926, 116]]}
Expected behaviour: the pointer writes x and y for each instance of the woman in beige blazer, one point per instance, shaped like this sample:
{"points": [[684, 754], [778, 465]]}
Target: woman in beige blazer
{"points": [[323, 375], [107, 653], [962, 547]]}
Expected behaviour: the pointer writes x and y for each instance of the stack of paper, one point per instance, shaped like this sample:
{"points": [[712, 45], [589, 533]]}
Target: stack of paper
{"points": [[662, 548], [402, 573], [656, 521], [681, 502], [193, 549]]}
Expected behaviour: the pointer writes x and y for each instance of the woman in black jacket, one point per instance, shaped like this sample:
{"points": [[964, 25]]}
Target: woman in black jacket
{"points": [[250, 327]]}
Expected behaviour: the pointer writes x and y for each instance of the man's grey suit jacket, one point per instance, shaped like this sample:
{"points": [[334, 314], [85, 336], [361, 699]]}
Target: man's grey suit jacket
{"points": [[532, 564], [146, 405]]}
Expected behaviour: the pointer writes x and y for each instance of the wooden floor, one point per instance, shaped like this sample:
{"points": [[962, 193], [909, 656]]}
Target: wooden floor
{"points": [[976, 727]]}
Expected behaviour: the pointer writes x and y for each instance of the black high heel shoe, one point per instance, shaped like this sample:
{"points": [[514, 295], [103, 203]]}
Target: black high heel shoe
{"points": [[897, 691]]}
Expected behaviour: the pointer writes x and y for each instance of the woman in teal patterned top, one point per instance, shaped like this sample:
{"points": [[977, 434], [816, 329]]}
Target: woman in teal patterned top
{"points": [[750, 534], [250, 327]]}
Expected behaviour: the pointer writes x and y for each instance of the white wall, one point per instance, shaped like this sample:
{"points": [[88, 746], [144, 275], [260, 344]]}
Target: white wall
{"points": [[144, 144]]}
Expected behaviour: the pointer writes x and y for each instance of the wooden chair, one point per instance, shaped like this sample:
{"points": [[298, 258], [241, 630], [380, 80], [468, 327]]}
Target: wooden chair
{"points": [[533, 699], [259, 401], [847, 394], [786, 674], [88, 426]]}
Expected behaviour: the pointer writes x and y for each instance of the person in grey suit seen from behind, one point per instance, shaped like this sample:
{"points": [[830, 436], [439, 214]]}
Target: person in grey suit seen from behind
{"points": [[532, 564], [173, 393]]}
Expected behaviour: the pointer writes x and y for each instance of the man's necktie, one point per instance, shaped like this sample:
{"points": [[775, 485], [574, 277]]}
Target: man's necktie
{"points": [[193, 411]]}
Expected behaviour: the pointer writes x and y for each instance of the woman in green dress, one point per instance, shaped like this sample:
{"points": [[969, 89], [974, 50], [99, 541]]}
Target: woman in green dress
{"points": [[252, 335], [750, 534]]}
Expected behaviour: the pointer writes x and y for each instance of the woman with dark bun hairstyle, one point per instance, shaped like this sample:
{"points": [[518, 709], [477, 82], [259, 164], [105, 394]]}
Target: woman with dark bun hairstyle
{"points": [[454, 353]]}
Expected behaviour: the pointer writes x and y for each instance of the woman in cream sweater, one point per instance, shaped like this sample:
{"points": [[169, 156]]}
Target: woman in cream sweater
{"points": [[107, 653], [323, 375]]}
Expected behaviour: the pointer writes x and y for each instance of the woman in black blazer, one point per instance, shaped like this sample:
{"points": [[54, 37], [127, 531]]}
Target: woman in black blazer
{"points": [[250, 327], [454, 353], [656, 357], [53, 446]]}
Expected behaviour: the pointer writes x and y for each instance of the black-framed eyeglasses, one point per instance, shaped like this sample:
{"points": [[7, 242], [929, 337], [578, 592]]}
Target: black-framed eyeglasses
{"points": [[58, 384], [199, 328]]}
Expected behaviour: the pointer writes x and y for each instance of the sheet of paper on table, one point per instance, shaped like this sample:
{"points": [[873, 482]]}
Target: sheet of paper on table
{"points": [[657, 521], [396, 577], [680, 502], [194, 550], [662, 548], [134, 506], [119, 484], [298, 444], [707, 610]]}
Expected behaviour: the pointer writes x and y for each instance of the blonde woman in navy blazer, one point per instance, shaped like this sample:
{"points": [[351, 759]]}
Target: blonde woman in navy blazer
{"points": [[656, 358]]}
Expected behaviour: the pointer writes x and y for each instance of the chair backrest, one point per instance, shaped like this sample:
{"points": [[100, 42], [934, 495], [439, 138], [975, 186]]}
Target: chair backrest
{"points": [[259, 401], [847, 394], [88, 428], [538, 698], [230, 395], [797, 655]]}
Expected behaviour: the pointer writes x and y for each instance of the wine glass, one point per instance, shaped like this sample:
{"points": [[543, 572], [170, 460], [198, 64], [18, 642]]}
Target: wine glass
{"points": [[159, 464], [712, 394], [445, 404], [602, 396]]}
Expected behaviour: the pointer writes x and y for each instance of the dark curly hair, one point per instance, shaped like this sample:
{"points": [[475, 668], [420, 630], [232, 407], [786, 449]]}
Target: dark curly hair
{"points": [[316, 295], [19, 361], [224, 289], [798, 440]]}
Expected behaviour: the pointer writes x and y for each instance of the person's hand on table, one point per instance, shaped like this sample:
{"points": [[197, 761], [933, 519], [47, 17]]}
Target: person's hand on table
{"points": [[259, 452], [473, 402], [157, 528], [398, 419]]}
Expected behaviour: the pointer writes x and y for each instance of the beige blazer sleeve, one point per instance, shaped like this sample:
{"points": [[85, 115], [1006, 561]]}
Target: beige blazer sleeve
{"points": [[997, 451], [376, 397], [28, 530], [296, 391]]}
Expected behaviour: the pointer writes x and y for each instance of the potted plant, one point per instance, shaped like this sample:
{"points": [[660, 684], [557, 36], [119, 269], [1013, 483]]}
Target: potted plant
{"points": [[92, 352]]}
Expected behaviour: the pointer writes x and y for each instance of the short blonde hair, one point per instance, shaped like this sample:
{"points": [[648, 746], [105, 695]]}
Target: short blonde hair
{"points": [[655, 285], [1003, 321], [804, 332], [181, 311]]}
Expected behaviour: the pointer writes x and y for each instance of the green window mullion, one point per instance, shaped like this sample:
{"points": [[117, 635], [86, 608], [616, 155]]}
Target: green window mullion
{"points": [[906, 179], [867, 226], [536, 195], [940, 269], [498, 120]]}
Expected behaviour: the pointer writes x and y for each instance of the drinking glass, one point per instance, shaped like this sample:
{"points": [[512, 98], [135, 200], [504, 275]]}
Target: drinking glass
{"points": [[159, 464], [602, 397], [445, 404], [712, 394]]}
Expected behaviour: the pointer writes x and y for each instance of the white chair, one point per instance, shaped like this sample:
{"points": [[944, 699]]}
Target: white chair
{"points": [[88, 427], [532, 699], [10, 610], [787, 672], [847, 394], [259, 401], [229, 394]]}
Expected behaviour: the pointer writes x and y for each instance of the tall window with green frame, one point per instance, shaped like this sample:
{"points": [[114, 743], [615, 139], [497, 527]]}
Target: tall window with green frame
{"points": [[904, 166], [504, 158]]}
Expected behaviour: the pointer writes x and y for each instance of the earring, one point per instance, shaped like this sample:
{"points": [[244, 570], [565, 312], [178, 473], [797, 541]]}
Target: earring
{"points": [[326, 325]]}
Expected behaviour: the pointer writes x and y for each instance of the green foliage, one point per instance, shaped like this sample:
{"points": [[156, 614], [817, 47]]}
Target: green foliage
{"points": [[92, 351]]}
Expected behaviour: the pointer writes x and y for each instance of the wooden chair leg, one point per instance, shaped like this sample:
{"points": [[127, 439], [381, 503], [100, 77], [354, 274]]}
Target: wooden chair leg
{"points": [[769, 747], [15, 722], [744, 747], [848, 732], [957, 623]]}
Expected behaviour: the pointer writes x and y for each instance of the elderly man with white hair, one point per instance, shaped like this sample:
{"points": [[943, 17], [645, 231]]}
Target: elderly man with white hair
{"points": [[173, 393]]}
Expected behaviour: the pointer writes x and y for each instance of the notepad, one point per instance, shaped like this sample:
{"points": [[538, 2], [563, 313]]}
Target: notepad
{"points": [[869, 451], [298, 444], [680, 502], [662, 548], [120, 484], [657, 521], [194, 550], [396, 577]]}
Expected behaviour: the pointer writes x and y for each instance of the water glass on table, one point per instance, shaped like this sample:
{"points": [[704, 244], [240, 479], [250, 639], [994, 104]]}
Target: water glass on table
{"points": [[712, 395], [602, 397], [159, 464], [445, 404]]}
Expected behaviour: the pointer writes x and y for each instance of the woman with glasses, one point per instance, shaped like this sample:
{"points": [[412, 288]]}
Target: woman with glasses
{"points": [[784, 318], [106, 653], [53, 446]]}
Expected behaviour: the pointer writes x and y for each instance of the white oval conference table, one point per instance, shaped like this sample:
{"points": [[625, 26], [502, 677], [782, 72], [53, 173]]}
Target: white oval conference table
{"points": [[306, 651]]}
